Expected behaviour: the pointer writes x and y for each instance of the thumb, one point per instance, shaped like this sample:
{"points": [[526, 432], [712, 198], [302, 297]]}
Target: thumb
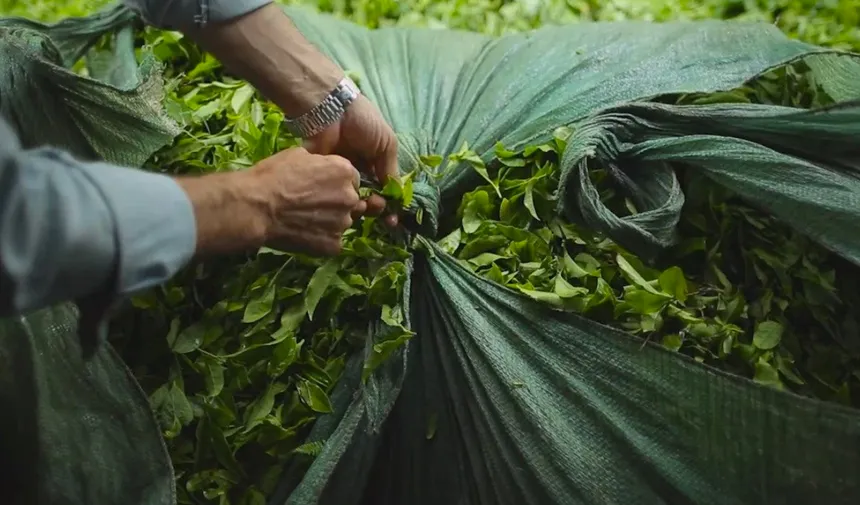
{"points": [[385, 166]]}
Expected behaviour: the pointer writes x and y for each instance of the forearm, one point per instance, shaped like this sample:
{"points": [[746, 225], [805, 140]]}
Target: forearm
{"points": [[70, 229], [255, 40], [267, 49], [230, 214]]}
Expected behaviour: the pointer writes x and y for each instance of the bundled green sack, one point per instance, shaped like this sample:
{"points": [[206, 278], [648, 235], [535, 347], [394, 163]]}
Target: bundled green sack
{"points": [[499, 399]]}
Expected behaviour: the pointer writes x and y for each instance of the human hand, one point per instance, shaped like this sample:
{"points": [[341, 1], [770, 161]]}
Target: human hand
{"points": [[365, 138], [266, 48], [293, 201], [311, 200]]}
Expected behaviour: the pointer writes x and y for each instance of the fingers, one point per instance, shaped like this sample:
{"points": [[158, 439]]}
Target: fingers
{"points": [[348, 171], [356, 180], [375, 204], [360, 209], [315, 200], [352, 201], [377, 154], [385, 166]]}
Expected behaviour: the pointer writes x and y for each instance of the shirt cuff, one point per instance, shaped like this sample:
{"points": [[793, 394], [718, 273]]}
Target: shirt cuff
{"points": [[155, 230], [176, 14]]}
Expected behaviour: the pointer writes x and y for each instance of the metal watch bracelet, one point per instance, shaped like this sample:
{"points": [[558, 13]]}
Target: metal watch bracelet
{"points": [[326, 113]]}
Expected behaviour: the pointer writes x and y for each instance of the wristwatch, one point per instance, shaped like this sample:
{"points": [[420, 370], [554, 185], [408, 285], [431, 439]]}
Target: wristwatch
{"points": [[326, 113]]}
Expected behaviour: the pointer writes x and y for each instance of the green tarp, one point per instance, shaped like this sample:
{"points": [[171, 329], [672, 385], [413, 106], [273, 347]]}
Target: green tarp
{"points": [[528, 405]]}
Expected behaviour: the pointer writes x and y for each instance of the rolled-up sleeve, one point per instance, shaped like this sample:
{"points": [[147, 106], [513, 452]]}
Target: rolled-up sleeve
{"points": [[177, 14], [70, 229]]}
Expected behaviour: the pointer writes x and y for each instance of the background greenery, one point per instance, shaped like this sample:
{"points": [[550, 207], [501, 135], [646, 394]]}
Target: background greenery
{"points": [[826, 22]]}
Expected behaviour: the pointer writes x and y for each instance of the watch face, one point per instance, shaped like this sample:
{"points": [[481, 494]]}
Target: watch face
{"points": [[347, 91]]}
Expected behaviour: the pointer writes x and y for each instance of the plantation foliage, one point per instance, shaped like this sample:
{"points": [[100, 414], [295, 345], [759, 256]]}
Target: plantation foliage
{"points": [[499, 397]]}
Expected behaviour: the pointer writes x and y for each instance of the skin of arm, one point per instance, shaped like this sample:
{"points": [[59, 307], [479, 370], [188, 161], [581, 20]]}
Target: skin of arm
{"points": [[70, 229], [265, 48], [258, 42], [229, 210]]}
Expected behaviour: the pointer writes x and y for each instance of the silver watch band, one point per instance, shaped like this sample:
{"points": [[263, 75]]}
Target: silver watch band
{"points": [[326, 113]]}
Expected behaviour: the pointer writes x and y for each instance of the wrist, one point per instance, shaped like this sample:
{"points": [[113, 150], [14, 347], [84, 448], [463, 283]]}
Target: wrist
{"points": [[326, 113], [229, 213]]}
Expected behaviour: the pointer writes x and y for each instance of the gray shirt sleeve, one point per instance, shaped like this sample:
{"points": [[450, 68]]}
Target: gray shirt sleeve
{"points": [[70, 229], [173, 14]]}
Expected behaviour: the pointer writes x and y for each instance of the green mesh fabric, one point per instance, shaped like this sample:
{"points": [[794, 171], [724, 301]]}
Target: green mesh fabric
{"points": [[76, 430], [118, 118], [531, 405], [500, 400]]}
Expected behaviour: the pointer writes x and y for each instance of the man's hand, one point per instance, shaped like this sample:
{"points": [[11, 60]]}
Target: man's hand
{"points": [[311, 200], [294, 201], [267, 49], [363, 136]]}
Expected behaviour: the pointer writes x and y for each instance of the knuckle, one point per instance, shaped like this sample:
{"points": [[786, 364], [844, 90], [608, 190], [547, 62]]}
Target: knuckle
{"points": [[390, 136], [341, 171], [351, 198], [340, 159], [340, 162]]}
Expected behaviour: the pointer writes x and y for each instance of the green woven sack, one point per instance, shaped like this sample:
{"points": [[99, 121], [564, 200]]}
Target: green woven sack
{"points": [[75, 427], [596, 417]]}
